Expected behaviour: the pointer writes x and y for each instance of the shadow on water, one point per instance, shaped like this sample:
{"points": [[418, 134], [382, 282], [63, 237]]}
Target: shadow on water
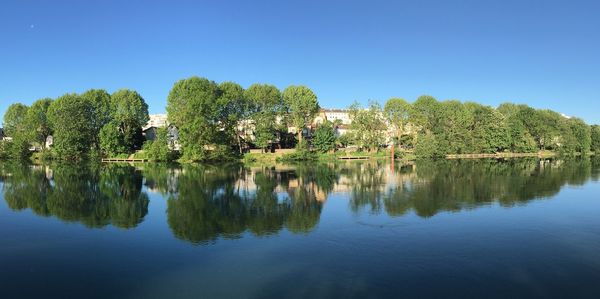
{"points": [[205, 203]]}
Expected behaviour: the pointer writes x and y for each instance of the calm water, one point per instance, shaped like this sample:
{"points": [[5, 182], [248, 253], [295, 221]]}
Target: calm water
{"points": [[487, 228]]}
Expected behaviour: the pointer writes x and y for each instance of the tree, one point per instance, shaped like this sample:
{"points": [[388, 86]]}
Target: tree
{"points": [[595, 139], [158, 149], [324, 139], [454, 130], [235, 110], [542, 125], [14, 119], [368, 125], [15, 126], [130, 112], [519, 138], [193, 108], [303, 105], [70, 116], [424, 113], [397, 112], [265, 106], [111, 140], [428, 147], [102, 111], [37, 121], [488, 133], [576, 136]]}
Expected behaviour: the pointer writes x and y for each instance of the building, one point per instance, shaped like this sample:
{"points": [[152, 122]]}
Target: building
{"points": [[155, 121], [340, 115]]}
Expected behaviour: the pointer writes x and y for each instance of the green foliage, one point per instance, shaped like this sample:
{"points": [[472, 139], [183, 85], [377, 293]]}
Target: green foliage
{"points": [[111, 140], [14, 119], [576, 137], [397, 113], [345, 140], [37, 124], [102, 111], [368, 125], [69, 116], [488, 132], [454, 131], [303, 106], [16, 127], [158, 149], [265, 105], [195, 107], [427, 147], [519, 137], [324, 139], [425, 113], [595, 139], [235, 109], [302, 153], [130, 112]]}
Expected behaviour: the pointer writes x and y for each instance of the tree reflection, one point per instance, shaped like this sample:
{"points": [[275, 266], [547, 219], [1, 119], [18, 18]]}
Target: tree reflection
{"points": [[225, 202], [209, 202], [445, 185], [94, 196]]}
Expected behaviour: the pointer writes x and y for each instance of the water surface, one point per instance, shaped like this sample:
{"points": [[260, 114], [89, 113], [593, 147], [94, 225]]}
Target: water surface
{"points": [[485, 228]]}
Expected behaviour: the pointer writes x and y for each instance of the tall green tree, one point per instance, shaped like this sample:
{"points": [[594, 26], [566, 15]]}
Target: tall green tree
{"points": [[454, 129], [324, 139], [424, 113], [15, 126], [193, 107], [520, 139], [368, 126], [576, 136], [37, 121], [102, 111], [397, 112], [129, 111], [111, 140], [595, 139], [266, 108], [303, 106], [14, 119], [235, 110], [488, 133], [69, 116]]}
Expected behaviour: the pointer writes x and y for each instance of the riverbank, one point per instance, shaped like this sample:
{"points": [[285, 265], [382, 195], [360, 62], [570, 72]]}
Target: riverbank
{"points": [[291, 156]]}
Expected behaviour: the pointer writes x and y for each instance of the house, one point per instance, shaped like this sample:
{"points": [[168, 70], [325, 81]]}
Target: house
{"points": [[156, 121]]}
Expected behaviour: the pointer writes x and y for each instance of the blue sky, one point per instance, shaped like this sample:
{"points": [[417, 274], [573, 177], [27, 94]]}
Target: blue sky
{"points": [[542, 53]]}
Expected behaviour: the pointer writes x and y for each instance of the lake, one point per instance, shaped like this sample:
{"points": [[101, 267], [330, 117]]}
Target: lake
{"points": [[445, 229]]}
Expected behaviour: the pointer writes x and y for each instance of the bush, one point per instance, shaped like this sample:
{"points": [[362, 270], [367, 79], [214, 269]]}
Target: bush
{"points": [[302, 153], [324, 138], [158, 149]]}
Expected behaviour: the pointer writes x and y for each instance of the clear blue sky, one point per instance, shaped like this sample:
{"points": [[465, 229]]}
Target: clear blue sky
{"points": [[542, 53]]}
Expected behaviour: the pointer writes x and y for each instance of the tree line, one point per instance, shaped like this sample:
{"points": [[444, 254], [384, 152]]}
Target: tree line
{"points": [[218, 121], [435, 129], [81, 125]]}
